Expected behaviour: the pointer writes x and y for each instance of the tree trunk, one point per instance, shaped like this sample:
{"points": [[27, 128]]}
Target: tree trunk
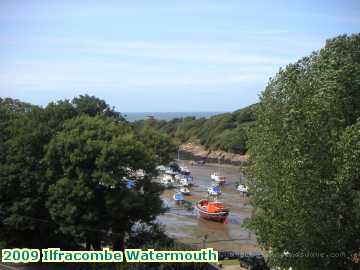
{"points": [[96, 244], [88, 244], [118, 242]]}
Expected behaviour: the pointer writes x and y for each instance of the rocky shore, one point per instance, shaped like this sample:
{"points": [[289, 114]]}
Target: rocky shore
{"points": [[197, 151]]}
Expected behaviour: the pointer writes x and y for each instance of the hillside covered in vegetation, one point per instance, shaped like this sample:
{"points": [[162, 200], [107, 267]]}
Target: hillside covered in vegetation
{"points": [[227, 132]]}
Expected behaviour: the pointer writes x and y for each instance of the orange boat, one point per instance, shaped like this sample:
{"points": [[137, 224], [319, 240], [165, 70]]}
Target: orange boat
{"points": [[212, 210]]}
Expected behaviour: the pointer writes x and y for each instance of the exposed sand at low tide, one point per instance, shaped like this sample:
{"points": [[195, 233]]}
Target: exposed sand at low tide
{"points": [[187, 227]]}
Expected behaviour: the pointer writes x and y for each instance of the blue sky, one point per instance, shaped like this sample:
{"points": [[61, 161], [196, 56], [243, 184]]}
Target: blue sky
{"points": [[160, 55]]}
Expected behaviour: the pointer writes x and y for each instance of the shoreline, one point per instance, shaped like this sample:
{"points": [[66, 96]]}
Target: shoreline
{"points": [[211, 163], [193, 151]]}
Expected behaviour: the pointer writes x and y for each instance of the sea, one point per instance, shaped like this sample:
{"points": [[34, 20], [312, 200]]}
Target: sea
{"points": [[135, 116]]}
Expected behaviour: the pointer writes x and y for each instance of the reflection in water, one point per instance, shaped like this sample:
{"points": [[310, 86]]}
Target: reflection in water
{"points": [[187, 227]]}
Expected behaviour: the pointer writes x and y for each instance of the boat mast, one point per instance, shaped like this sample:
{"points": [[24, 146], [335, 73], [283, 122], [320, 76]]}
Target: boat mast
{"points": [[219, 165]]}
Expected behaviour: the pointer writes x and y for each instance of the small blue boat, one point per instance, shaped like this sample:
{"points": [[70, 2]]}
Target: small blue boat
{"points": [[130, 183], [178, 197], [214, 191]]}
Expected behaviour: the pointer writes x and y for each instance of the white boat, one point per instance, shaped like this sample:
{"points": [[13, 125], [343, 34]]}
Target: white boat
{"points": [[220, 179], [214, 191], [167, 181], [217, 177], [184, 170], [161, 168], [140, 173], [243, 189], [170, 172], [185, 191], [184, 182]]}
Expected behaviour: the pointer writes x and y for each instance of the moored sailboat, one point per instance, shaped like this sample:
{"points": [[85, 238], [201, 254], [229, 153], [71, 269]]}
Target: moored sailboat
{"points": [[167, 181], [243, 189], [219, 179], [184, 170]]}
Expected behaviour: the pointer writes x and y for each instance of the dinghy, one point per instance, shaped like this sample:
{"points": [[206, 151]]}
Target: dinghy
{"points": [[217, 178], [243, 189], [185, 191], [167, 181], [178, 197]]}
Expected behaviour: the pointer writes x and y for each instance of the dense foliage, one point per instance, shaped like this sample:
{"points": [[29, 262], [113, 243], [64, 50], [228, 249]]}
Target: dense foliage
{"points": [[305, 153], [63, 174], [227, 132]]}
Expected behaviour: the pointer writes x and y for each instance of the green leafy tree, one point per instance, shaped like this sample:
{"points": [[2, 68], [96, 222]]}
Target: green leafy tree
{"points": [[15, 105], [162, 145], [61, 174], [25, 130], [305, 183], [348, 188], [23, 185], [89, 161], [93, 106]]}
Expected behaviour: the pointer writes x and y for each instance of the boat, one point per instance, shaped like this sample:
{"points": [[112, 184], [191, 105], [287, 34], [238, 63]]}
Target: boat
{"points": [[167, 181], [178, 197], [189, 179], [130, 184], [185, 191], [161, 168], [140, 174], [184, 182], [214, 191], [212, 210], [200, 162], [216, 177], [243, 189], [170, 172], [184, 170]]}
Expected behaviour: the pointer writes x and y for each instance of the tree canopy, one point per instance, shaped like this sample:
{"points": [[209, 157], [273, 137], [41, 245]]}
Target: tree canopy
{"points": [[64, 171], [305, 160]]}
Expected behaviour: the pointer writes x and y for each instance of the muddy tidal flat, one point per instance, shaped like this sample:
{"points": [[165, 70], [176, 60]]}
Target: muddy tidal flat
{"points": [[187, 227]]}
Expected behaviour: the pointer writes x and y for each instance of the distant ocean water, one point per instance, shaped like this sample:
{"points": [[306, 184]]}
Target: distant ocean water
{"points": [[134, 116]]}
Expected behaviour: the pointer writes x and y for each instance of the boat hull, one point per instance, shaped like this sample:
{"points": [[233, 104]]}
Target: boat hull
{"points": [[179, 202], [219, 179], [219, 217], [214, 216], [178, 197], [220, 183], [214, 194]]}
